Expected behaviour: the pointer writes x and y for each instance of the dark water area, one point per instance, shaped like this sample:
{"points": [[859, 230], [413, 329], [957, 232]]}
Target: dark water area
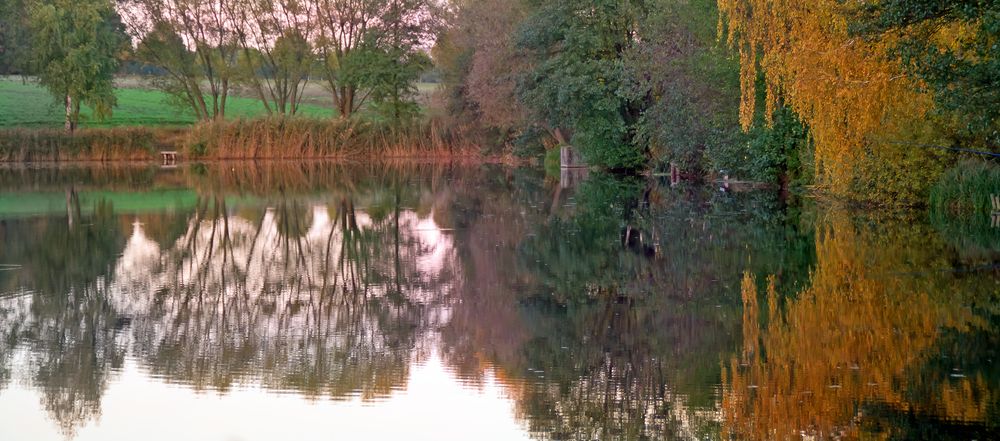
{"points": [[240, 301]]}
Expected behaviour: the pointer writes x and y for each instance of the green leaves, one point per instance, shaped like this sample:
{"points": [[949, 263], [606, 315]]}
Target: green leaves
{"points": [[390, 74], [75, 47], [578, 80]]}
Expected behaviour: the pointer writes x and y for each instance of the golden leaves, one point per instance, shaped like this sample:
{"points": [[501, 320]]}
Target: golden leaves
{"points": [[847, 90]]}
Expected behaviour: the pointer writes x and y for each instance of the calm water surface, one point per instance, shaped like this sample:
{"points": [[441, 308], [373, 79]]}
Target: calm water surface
{"points": [[264, 302]]}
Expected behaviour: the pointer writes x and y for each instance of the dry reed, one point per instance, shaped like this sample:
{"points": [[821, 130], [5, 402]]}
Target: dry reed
{"points": [[52, 145], [301, 138], [258, 139]]}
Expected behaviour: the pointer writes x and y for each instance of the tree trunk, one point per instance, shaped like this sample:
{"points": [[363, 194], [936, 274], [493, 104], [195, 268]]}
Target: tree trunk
{"points": [[225, 97], [70, 126]]}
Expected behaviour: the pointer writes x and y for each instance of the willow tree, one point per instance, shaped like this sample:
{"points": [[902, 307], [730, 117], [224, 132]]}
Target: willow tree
{"points": [[858, 101], [75, 46], [952, 48]]}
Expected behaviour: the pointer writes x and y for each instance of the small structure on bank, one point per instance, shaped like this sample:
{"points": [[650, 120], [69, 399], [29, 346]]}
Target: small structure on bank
{"points": [[169, 157]]}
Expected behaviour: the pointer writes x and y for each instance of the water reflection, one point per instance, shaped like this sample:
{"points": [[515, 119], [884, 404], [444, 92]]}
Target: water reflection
{"points": [[620, 308], [888, 340]]}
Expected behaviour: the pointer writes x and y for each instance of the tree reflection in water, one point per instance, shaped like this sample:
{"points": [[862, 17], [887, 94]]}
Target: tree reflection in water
{"points": [[314, 297], [621, 309], [608, 309], [66, 323], [872, 347]]}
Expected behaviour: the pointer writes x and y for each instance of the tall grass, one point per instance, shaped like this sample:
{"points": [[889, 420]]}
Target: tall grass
{"points": [[53, 145], [962, 211], [300, 138], [964, 190], [265, 138]]}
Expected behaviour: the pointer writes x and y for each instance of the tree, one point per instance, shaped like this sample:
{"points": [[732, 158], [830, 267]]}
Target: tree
{"points": [[480, 64], [75, 46], [390, 75], [356, 36], [577, 85], [276, 56], [862, 108], [195, 42], [391, 60], [951, 47]]}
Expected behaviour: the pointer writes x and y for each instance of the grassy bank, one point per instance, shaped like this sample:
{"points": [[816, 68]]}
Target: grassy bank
{"points": [[961, 209]]}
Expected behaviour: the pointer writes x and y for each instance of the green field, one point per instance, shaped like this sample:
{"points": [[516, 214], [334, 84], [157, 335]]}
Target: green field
{"points": [[30, 105]]}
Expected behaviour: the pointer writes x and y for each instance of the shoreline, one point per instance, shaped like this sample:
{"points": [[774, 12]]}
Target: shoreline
{"points": [[300, 139]]}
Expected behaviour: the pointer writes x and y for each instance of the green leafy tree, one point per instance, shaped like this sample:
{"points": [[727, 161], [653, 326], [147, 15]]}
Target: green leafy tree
{"points": [[577, 85], [195, 41], [391, 58], [75, 46], [391, 75], [276, 57]]}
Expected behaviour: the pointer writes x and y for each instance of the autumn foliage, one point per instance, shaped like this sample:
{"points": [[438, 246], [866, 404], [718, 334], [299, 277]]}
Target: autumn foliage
{"points": [[867, 113]]}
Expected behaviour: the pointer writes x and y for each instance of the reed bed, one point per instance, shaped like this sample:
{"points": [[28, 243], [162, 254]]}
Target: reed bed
{"points": [[243, 139], [964, 190], [305, 138], [52, 145]]}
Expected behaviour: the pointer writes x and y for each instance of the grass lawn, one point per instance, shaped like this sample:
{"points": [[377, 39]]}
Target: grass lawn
{"points": [[30, 105]]}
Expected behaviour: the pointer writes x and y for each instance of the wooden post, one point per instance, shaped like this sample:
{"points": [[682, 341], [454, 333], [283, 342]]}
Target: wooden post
{"points": [[169, 158], [995, 218]]}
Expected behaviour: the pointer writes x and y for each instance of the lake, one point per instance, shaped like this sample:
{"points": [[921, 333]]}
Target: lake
{"points": [[241, 301]]}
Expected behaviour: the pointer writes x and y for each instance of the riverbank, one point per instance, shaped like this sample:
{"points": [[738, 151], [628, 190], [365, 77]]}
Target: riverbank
{"points": [[260, 138]]}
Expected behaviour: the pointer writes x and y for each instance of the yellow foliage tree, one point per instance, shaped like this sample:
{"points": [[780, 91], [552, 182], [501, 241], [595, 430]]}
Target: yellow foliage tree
{"points": [[856, 99]]}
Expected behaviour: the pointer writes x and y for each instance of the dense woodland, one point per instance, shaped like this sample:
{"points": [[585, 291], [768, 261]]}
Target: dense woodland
{"points": [[869, 100]]}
